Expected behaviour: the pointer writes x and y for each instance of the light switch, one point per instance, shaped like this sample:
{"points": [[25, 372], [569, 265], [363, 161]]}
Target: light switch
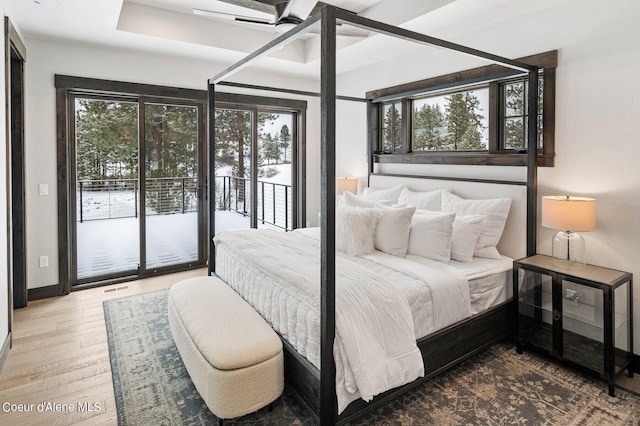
{"points": [[44, 261], [43, 189]]}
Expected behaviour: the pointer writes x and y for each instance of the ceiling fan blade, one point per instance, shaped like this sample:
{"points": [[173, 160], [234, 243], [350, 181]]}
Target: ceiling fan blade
{"points": [[253, 5], [232, 17], [253, 21], [299, 9]]}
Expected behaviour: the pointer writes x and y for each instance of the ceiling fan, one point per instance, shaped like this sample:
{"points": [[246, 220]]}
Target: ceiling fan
{"points": [[286, 14]]}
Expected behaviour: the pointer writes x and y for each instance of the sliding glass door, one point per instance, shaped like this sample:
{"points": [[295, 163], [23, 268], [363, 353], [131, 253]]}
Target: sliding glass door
{"points": [[233, 169], [138, 186], [171, 184], [106, 188], [275, 170], [255, 155]]}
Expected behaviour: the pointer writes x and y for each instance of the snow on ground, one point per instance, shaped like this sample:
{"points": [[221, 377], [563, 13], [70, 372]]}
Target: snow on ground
{"points": [[113, 245], [282, 177], [109, 241], [106, 204]]}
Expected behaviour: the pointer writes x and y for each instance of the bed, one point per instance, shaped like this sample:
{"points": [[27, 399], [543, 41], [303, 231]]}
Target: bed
{"points": [[279, 275], [442, 347]]}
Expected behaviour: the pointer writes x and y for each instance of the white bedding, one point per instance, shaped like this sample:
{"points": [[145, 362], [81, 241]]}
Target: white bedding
{"points": [[379, 298], [490, 281]]}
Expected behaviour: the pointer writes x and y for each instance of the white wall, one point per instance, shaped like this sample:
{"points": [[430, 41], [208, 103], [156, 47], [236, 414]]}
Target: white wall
{"points": [[597, 105], [4, 256], [46, 58]]}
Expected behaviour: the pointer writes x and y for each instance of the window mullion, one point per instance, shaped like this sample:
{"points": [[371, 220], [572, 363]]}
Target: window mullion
{"points": [[406, 126], [495, 113]]}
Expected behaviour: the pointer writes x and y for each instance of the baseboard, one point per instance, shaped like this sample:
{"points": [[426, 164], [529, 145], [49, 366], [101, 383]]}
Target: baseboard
{"points": [[4, 352], [43, 292], [636, 363]]}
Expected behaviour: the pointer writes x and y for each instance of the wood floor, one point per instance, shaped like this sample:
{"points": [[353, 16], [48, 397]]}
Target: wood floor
{"points": [[60, 356]]}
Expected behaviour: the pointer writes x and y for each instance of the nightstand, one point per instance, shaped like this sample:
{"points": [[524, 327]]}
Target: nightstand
{"points": [[580, 314]]}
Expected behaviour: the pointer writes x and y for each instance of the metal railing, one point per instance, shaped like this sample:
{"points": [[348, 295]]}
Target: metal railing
{"points": [[118, 198], [274, 200]]}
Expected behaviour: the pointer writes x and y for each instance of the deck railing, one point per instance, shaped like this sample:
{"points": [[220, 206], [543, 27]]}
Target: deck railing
{"points": [[274, 200], [118, 198]]}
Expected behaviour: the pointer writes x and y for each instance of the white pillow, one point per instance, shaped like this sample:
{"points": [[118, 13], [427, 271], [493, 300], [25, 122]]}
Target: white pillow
{"points": [[466, 230], [392, 232], [430, 235], [390, 194], [431, 200], [494, 211], [355, 230], [348, 199]]}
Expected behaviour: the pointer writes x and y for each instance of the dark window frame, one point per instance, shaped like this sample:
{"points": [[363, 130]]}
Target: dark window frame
{"points": [[398, 145], [492, 76]]}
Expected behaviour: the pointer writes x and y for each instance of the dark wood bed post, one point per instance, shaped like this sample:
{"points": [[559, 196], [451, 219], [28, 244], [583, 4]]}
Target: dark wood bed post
{"points": [[370, 138], [328, 400], [532, 162], [211, 181]]}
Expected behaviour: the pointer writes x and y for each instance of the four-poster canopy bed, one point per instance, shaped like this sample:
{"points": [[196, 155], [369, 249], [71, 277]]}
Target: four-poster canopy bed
{"points": [[450, 345]]}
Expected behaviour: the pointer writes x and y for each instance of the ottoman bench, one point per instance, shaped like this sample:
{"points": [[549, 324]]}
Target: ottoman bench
{"points": [[233, 356]]}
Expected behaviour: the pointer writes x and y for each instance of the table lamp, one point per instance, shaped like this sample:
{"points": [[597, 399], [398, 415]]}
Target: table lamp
{"points": [[346, 184], [569, 215]]}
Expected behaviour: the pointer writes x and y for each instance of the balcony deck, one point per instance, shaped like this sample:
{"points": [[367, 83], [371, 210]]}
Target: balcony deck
{"points": [[113, 245]]}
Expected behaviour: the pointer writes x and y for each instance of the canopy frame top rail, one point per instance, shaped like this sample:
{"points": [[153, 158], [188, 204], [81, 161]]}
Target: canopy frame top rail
{"points": [[345, 17]]}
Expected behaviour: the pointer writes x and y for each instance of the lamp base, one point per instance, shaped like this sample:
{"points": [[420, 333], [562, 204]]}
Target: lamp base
{"points": [[569, 247]]}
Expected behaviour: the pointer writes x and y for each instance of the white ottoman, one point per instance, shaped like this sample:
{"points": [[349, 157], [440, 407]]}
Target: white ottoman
{"points": [[233, 356]]}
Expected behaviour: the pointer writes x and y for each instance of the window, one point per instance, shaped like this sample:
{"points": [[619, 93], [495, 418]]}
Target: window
{"points": [[473, 117], [391, 126], [454, 122], [514, 117]]}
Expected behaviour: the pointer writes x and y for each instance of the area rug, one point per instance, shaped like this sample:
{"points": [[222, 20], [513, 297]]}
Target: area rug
{"points": [[495, 387]]}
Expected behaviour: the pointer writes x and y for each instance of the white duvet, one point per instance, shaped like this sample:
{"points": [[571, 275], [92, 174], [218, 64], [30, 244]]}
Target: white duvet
{"points": [[375, 346]]}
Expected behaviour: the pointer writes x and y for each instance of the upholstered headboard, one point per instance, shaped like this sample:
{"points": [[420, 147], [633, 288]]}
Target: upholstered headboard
{"points": [[514, 238]]}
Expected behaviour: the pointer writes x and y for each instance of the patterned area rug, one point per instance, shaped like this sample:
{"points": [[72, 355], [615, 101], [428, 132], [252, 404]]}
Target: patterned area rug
{"points": [[496, 387]]}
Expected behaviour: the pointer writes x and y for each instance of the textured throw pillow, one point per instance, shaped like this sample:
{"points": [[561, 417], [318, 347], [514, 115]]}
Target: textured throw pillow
{"points": [[390, 194], [431, 200], [348, 199], [392, 232], [355, 230], [430, 235], [466, 231], [494, 212]]}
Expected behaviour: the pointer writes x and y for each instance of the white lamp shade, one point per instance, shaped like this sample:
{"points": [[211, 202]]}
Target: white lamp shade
{"points": [[346, 184], [575, 214]]}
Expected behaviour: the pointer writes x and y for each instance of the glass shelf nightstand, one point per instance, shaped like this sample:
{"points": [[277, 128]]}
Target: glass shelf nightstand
{"points": [[577, 313]]}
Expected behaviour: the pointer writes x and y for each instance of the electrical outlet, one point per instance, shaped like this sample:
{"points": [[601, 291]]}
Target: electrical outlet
{"points": [[44, 261], [569, 294]]}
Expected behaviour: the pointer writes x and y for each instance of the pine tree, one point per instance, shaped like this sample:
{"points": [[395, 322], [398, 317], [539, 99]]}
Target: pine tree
{"points": [[428, 123], [464, 123], [285, 140], [106, 140], [392, 126]]}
